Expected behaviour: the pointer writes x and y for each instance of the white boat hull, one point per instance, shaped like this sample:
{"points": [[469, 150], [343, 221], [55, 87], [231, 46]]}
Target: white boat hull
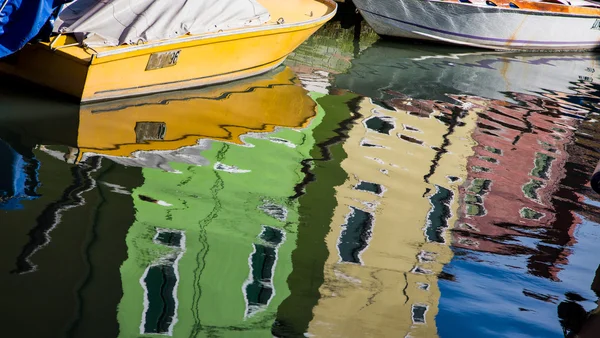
{"points": [[481, 26]]}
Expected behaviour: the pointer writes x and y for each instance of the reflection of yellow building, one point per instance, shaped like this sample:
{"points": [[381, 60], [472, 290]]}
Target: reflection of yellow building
{"points": [[385, 255]]}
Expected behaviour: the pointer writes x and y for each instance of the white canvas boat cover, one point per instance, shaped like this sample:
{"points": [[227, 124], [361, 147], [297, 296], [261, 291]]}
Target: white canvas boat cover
{"points": [[116, 22]]}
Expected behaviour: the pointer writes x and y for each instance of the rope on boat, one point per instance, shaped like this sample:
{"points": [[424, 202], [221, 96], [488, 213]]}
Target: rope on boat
{"points": [[3, 5], [52, 48]]}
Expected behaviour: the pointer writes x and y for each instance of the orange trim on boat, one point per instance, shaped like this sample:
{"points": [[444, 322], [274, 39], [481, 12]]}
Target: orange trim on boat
{"points": [[538, 6]]}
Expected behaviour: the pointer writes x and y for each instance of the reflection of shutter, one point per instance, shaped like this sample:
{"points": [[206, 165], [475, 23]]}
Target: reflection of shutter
{"points": [[370, 187], [160, 281], [418, 313], [355, 236], [150, 131], [160, 284], [258, 288], [382, 125], [437, 218]]}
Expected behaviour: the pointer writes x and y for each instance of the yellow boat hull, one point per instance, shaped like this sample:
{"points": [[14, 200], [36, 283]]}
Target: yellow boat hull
{"points": [[189, 61]]}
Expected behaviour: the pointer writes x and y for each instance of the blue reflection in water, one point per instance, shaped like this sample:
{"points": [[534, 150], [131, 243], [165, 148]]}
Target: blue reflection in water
{"points": [[18, 177], [494, 294]]}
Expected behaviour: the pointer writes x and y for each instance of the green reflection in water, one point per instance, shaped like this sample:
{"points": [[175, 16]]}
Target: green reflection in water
{"points": [[316, 210], [222, 209], [332, 48]]}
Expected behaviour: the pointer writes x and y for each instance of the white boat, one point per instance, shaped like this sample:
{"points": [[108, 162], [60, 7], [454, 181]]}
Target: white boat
{"points": [[492, 24]]}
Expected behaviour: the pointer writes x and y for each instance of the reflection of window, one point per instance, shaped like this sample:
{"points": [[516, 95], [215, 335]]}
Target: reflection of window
{"points": [[418, 313], [426, 256], [382, 125], [367, 143], [150, 131], [258, 289], [423, 286], [420, 271], [437, 219], [375, 188], [278, 212], [160, 282], [355, 236]]}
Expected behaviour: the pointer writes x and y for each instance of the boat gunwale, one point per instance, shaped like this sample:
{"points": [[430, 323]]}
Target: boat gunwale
{"points": [[515, 10], [207, 36]]}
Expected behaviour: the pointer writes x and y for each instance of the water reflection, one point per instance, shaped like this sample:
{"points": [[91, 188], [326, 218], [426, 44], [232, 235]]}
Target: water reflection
{"points": [[229, 210], [386, 190], [385, 254], [208, 173], [501, 144], [433, 72], [332, 49]]}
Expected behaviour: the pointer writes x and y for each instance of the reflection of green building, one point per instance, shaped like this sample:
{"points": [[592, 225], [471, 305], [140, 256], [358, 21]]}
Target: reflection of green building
{"points": [[210, 248], [210, 251], [331, 48]]}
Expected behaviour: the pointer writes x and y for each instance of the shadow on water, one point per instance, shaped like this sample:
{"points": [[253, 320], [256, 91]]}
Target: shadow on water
{"points": [[317, 203], [55, 283]]}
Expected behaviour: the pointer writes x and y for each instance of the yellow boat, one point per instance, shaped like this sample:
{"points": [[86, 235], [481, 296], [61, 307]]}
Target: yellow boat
{"points": [[101, 73]]}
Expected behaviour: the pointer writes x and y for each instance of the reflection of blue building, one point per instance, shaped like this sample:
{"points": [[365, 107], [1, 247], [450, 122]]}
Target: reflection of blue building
{"points": [[18, 176]]}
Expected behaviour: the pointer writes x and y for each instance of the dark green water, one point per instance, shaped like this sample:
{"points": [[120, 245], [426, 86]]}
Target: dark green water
{"points": [[367, 188]]}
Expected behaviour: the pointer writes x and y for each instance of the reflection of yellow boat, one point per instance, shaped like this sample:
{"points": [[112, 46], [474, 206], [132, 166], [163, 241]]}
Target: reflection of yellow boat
{"points": [[93, 74], [167, 122], [124, 128], [158, 126]]}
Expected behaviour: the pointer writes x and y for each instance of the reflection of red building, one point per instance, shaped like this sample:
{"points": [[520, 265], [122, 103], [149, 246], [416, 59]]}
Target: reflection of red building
{"points": [[515, 179], [527, 174]]}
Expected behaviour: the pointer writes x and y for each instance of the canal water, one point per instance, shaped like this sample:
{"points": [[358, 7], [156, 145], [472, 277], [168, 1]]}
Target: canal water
{"points": [[366, 188]]}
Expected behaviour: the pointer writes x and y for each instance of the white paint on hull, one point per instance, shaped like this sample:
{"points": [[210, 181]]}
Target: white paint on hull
{"points": [[481, 26]]}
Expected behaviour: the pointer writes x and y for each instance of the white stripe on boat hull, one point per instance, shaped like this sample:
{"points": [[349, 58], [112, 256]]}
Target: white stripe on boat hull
{"points": [[480, 26]]}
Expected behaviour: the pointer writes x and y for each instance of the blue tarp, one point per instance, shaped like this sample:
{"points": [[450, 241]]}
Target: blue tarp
{"points": [[22, 20]]}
